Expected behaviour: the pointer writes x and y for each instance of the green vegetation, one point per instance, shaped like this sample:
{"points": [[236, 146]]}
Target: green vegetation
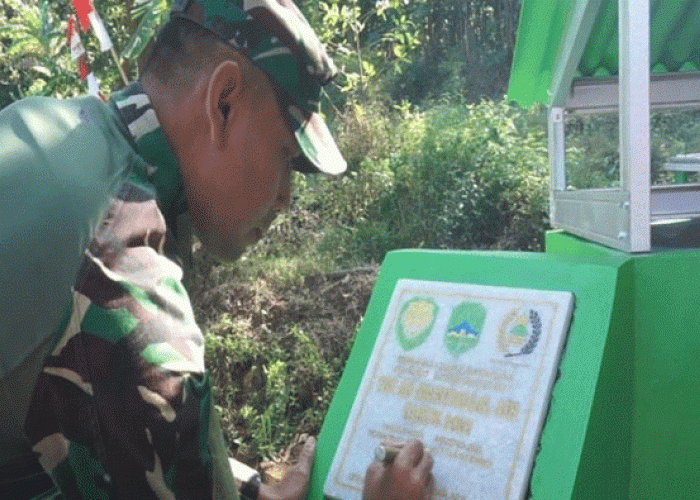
{"points": [[275, 346], [277, 389], [452, 176], [593, 159]]}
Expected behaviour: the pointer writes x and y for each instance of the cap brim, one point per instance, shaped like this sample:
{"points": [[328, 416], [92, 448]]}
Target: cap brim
{"points": [[319, 151]]}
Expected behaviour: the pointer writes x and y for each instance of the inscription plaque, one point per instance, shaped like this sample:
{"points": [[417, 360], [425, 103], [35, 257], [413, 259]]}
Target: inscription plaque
{"points": [[468, 369]]}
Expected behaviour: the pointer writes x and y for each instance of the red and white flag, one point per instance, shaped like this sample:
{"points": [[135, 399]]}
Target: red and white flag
{"points": [[83, 67], [83, 8], [89, 17], [94, 86], [78, 53], [100, 31], [74, 42]]}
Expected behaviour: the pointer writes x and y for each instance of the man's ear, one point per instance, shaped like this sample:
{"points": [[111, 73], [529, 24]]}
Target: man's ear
{"points": [[223, 93]]}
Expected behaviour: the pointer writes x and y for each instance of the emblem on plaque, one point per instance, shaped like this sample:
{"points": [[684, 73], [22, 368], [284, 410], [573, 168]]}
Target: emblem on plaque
{"points": [[416, 320], [519, 332], [464, 327]]}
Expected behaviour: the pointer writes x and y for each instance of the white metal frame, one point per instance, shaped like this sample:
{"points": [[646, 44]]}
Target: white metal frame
{"points": [[600, 95], [619, 218], [634, 119]]}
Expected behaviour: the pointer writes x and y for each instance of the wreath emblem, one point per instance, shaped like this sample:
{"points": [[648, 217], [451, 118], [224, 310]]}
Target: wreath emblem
{"points": [[520, 332]]}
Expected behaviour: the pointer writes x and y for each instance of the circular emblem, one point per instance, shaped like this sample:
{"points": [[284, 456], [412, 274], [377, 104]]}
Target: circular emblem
{"points": [[519, 332]]}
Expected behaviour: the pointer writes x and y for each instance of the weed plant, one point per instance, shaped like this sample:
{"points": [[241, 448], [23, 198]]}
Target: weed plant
{"points": [[267, 388]]}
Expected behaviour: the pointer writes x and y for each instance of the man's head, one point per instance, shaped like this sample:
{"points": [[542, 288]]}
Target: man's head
{"points": [[236, 86]]}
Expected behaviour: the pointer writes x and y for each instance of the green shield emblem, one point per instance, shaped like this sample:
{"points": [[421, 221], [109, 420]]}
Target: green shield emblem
{"points": [[464, 327], [416, 320]]}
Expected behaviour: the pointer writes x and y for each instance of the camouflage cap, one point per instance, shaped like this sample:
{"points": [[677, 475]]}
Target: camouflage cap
{"points": [[277, 38]]}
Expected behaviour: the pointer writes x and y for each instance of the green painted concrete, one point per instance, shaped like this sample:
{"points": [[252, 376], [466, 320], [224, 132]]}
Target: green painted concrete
{"points": [[664, 344], [624, 420], [586, 443]]}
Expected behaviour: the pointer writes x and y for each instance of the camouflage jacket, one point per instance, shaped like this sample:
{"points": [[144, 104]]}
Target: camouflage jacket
{"points": [[122, 408]]}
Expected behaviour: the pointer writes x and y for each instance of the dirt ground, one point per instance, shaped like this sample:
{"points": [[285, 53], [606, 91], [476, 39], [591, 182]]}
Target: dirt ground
{"points": [[327, 307]]}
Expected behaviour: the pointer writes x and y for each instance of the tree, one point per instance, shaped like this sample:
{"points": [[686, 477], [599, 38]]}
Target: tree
{"points": [[35, 57], [468, 45], [32, 39]]}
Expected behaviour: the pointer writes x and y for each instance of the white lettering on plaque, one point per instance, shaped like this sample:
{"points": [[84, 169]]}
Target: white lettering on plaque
{"points": [[468, 369]]}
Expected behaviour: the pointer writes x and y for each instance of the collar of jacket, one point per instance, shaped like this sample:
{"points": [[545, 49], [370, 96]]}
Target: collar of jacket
{"points": [[134, 108]]}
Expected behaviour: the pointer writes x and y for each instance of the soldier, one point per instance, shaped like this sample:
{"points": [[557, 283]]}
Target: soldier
{"points": [[94, 318]]}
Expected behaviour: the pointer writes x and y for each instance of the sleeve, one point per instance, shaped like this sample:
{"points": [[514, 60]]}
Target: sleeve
{"points": [[123, 408], [49, 204]]}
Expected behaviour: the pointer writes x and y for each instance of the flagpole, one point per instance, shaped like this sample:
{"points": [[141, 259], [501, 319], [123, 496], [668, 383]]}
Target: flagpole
{"points": [[119, 66], [89, 17]]}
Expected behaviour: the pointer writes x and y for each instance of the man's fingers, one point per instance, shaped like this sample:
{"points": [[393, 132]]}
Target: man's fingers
{"points": [[424, 468], [410, 454], [409, 476], [296, 481], [306, 457], [430, 487], [373, 480]]}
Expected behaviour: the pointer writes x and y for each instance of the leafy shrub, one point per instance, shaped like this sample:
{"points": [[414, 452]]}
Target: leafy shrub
{"points": [[496, 174], [452, 176]]}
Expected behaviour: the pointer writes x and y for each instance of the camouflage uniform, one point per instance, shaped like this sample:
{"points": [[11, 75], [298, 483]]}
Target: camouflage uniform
{"points": [[122, 406]]}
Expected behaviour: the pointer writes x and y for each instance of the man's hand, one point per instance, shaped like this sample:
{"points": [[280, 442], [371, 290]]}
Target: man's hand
{"points": [[295, 483], [408, 477]]}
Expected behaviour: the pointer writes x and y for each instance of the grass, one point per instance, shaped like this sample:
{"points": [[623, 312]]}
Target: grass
{"points": [[275, 346]]}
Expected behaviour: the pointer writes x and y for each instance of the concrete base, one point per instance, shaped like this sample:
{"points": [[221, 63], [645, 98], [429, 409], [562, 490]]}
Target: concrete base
{"points": [[624, 420], [660, 316], [595, 381]]}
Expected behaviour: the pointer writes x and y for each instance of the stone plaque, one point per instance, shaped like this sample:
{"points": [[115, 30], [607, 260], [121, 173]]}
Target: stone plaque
{"points": [[468, 369]]}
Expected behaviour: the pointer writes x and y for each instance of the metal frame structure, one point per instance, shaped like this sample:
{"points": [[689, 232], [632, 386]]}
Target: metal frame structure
{"points": [[618, 217]]}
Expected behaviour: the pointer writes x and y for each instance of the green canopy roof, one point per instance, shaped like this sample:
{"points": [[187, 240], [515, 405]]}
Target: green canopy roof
{"points": [[548, 29]]}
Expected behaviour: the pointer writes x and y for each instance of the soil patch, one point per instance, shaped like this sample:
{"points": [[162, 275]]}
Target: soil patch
{"points": [[326, 307]]}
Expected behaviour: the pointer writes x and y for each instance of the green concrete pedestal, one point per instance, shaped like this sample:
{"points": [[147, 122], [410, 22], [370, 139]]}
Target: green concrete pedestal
{"points": [[662, 409], [624, 420]]}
